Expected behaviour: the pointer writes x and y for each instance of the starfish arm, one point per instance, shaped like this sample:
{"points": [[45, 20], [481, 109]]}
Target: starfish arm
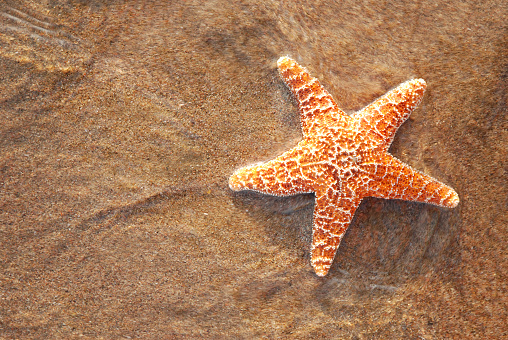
{"points": [[388, 177], [280, 177], [313, 100], [332, 215], [378, 122]]}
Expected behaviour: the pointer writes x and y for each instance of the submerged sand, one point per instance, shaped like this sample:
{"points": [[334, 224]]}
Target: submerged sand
{"points": [[121, 123]]}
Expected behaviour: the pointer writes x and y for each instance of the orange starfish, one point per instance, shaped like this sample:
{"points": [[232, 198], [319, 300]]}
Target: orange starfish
{"points": [[343, 159]]}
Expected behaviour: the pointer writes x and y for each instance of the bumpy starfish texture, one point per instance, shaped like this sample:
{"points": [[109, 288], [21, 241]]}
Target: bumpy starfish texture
{"points": [[343, 159]]}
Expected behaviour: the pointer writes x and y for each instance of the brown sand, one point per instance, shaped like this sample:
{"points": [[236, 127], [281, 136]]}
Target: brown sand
{"points": [[119, 127]]}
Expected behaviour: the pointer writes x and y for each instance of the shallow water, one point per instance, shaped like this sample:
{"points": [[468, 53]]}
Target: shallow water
{"points": [[121, 124]]}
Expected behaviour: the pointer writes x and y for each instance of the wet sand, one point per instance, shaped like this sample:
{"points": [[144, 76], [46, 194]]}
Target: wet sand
{"points": [[121, 123]]}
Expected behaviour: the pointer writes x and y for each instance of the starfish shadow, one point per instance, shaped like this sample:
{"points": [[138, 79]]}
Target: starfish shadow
{"points": [[395, 240], [286, 220], [387, 242]]}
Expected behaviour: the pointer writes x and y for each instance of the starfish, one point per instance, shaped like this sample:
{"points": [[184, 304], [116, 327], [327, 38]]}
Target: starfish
{"points": [[343, 159]]}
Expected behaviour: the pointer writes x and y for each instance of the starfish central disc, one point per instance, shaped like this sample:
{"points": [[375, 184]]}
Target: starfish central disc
{"points": [[343, 159]]}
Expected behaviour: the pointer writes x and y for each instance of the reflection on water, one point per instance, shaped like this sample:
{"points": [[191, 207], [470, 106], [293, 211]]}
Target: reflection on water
{"points": [[29, 36]]}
